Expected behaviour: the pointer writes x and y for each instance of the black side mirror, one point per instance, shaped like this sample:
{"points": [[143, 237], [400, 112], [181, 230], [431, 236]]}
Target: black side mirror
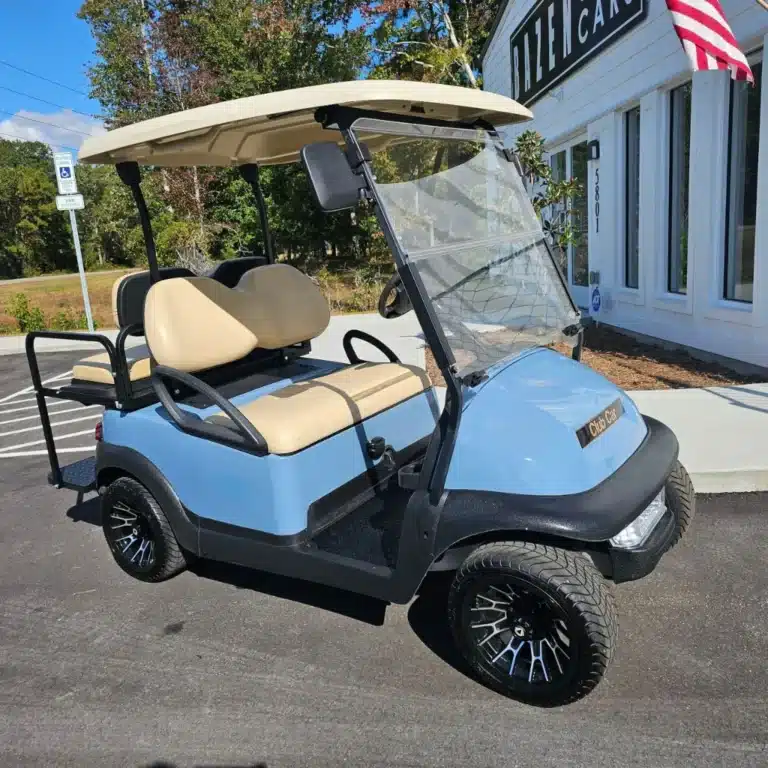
{"points": [[335, 186]]}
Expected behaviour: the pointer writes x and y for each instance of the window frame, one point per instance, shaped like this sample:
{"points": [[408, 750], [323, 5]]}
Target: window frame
{"points": [[673, 211], [627, 217], [756, 58]]}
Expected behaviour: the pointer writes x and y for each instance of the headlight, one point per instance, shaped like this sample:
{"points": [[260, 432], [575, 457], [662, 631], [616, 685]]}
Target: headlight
{"points": [[640, 528]]}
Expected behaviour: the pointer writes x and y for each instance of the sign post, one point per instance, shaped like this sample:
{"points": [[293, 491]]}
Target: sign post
{"points": [[69, 200]]}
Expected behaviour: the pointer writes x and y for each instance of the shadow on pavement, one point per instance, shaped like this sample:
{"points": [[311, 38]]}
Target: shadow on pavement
{"points": [[88, 511], [163, 764], [428, 617], [350, 604]]}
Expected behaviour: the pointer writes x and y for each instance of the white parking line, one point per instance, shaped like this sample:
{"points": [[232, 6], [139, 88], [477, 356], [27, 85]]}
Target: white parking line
{"points": [[58, 413], [19, 454], [30, 388], [33, 407], [53, 424], [4, 451]]}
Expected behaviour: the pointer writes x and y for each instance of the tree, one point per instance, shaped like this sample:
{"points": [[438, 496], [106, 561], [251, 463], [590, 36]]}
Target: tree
{"points": [[436, 41], [551, 198]]}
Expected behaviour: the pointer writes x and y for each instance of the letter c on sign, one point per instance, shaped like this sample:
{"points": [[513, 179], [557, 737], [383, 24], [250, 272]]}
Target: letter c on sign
{"points": [[582, 16]]}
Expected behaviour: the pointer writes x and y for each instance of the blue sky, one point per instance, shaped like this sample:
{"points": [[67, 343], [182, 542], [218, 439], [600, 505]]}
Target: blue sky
{"points": [[45, 37]]}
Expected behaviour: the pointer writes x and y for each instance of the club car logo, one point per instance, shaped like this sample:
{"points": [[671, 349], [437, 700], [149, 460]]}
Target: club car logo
{"points": [[557, 37]]}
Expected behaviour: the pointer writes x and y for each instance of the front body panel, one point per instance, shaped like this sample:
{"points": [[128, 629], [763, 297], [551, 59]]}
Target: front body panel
{"points": [[520, 429]]}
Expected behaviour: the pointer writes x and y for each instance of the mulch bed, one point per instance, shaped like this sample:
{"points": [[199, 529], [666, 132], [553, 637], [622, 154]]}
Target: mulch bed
{"points": [[633, 364]]}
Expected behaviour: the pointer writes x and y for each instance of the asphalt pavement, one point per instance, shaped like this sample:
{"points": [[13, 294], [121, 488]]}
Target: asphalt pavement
{"points": [[224, 666]]}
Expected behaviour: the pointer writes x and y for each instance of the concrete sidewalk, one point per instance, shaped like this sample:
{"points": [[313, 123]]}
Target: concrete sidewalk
{"points": [[723, 431], [403, 335]]}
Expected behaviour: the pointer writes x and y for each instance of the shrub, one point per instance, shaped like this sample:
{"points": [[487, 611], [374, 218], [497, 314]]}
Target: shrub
{"points": [[28, 318], [66, 320]]}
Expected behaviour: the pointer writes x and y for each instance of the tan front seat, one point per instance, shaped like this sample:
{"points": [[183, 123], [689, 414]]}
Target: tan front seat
{"points": [[195, 323], [299, 415]]}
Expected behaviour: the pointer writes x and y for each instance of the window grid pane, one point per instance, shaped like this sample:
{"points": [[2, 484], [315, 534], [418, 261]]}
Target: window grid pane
{"points": [[742, 189], [679, 169], [632, 199]]}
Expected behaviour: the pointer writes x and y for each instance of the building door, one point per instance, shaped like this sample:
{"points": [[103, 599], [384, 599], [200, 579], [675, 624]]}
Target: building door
{"points": [[568, 162]]}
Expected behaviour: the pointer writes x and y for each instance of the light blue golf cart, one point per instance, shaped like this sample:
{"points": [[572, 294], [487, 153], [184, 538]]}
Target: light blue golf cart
{"points": [[529, 476]]}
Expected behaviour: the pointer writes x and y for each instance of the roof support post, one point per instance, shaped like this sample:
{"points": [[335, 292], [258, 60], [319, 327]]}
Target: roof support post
{"points": [[130, 175], [250, 173]]}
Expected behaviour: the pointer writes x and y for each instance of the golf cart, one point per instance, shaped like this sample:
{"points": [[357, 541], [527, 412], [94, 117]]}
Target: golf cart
{"points": [[529, 476]]}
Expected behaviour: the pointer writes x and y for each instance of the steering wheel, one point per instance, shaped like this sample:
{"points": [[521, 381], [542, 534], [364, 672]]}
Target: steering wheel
{"points": [[400, 304]]}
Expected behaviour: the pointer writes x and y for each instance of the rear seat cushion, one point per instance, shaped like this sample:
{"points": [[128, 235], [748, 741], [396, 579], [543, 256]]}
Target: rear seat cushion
{"points": [[97, 369], [197, 323], [299, 415]]}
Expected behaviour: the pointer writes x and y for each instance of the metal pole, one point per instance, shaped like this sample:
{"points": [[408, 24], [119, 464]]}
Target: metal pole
{"points": [[81, 269]]}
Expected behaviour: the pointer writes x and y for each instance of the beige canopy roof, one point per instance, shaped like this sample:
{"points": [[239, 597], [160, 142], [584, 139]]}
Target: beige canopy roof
{"points": [[272, 128]]}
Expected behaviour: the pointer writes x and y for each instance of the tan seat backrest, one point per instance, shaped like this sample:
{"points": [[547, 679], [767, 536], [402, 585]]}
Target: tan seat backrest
{"points": [[115, 294], [195, 323]]}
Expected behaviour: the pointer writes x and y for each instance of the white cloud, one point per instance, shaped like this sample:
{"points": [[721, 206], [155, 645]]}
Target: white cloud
{"points": [[59, 129]]}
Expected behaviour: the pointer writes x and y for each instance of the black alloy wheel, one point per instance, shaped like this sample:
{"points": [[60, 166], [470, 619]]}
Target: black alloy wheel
{"points": [[534, 622]]}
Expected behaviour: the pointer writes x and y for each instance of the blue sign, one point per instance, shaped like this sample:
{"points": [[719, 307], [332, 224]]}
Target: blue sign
{"points": [[596, 300], [65, 172]]}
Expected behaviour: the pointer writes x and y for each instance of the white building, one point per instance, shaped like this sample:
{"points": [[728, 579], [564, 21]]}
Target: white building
{"points": [[614, 97]]}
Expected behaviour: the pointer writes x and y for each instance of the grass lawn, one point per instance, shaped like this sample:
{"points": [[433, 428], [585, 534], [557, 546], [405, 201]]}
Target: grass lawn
{"points": [[54, 294]]}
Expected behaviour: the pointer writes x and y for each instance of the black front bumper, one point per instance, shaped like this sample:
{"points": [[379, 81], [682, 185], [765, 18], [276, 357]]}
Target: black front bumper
{"points": [[632, 564]]}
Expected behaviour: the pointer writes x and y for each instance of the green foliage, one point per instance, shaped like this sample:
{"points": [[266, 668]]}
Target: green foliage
{"points": [[27, 318], [31, 318], [552, 199], [154, 57]]}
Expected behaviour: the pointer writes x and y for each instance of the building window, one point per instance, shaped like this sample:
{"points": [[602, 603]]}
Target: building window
{"points": [[744, 136], [679, 168], [632, 200]]}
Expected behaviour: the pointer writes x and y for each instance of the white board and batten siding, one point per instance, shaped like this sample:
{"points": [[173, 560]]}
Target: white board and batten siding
{"points": [[639, 69]]}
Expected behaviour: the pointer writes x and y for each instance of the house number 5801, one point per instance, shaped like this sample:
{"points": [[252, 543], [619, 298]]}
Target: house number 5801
{"points": [[597, 199]]}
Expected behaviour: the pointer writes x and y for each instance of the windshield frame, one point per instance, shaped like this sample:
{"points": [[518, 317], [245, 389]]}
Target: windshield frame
{"points": [[434, 468]]}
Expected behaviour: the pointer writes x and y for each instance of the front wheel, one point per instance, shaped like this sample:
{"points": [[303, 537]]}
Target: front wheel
{"points": [[534, 622]]}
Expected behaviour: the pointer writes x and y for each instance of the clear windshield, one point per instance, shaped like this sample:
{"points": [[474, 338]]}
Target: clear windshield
{"points": [[459, 210]]}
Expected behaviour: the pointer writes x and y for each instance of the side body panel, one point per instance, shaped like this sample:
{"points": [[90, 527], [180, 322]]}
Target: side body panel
{"points": [[269, 494]]}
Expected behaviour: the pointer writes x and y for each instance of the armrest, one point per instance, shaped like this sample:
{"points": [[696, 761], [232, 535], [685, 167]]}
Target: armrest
{"points": [[95, 338], [245, 436], [372, 340]]}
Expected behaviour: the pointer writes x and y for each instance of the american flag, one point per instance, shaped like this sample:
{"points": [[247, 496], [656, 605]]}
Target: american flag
{"points": [[707, 38]]}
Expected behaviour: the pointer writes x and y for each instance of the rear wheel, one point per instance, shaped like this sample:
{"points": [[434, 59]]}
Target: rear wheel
{"points": [[138, 532], [534, 622]]}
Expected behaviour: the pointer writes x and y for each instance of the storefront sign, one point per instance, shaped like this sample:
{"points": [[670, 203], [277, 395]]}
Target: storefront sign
{"points": [[557, 37]]}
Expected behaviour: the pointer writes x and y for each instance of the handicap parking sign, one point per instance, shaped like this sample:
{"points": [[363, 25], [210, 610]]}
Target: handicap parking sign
{"points": [[65, 173]]}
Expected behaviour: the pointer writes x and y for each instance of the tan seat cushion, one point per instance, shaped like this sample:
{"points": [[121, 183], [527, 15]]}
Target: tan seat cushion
{"points": [[194, 323], [302, 414], [97, 370]]}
